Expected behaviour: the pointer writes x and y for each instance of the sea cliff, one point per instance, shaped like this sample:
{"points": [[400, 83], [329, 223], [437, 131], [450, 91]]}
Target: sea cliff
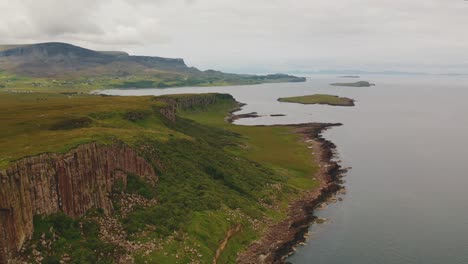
{"points": [[73, 183]]}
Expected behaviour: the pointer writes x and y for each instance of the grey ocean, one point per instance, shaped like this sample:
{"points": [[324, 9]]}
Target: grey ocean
{"points": [[406, 141]]}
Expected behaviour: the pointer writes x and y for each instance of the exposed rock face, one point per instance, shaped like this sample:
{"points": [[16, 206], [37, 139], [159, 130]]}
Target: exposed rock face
{"points": [[72, 183]]}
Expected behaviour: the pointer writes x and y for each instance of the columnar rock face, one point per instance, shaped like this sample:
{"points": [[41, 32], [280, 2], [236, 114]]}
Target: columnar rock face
{"points": [[73, 183]]}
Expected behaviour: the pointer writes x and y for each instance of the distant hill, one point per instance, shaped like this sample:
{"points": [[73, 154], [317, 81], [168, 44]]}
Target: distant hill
{"points": [[58, 59]]}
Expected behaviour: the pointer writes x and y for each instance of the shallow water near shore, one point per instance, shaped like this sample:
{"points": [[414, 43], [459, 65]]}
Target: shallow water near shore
{"points": [[405, 139]]}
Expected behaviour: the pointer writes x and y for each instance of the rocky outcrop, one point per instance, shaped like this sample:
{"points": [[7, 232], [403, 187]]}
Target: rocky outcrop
{"points": [[73, 183]]}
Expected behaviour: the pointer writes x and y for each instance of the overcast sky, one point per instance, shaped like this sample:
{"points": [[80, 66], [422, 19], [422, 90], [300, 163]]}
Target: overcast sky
{"points": [[256, 35]]}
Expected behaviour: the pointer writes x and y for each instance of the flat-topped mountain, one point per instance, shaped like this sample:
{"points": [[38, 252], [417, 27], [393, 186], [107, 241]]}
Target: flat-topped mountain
{"points": [[51, 49], [56, 59]]}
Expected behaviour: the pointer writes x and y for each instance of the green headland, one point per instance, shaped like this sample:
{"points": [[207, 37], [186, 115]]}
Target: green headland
{"points": [[212, 175]]}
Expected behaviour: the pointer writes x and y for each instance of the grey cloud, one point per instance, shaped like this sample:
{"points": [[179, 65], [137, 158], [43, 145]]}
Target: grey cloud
{"points": [[54, 17], [262, 34]]}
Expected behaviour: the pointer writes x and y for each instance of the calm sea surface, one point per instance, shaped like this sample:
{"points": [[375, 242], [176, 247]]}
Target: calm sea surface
{"points": [[406, 141]]}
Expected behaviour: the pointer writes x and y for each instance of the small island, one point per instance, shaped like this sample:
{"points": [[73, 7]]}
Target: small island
{"points": [[325, 99], [355, 84], [350, 76]]}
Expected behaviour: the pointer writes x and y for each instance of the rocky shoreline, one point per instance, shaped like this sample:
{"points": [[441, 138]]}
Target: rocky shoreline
{"points": [[281, 238], [232, 117]]}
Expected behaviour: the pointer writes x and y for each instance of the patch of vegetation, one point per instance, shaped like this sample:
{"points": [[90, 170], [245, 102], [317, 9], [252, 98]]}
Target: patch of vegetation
{"points": [[136, 84], [319, 99], [137, 115], [72, 123], [278, 147], [137, 185], [200, 176], [57, 236]]}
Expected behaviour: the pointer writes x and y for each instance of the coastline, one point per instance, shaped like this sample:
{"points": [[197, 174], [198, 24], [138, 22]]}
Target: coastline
{"points": [[280, 239], [231, 117]]}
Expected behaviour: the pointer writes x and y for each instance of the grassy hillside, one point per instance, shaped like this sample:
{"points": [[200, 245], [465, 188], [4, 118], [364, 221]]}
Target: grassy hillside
{"points": [[213, 176]]}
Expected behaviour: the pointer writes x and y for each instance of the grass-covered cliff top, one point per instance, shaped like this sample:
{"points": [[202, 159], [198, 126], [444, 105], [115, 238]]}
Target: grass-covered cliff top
{"points": [[319, 99], [35, 123], [213, 176]]}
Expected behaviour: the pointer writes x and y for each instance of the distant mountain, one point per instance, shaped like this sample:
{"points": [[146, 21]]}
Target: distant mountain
{"points": [[57, 59]]}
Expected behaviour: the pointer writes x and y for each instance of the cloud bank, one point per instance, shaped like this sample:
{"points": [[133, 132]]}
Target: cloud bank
{"points": [[256, 35]]}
